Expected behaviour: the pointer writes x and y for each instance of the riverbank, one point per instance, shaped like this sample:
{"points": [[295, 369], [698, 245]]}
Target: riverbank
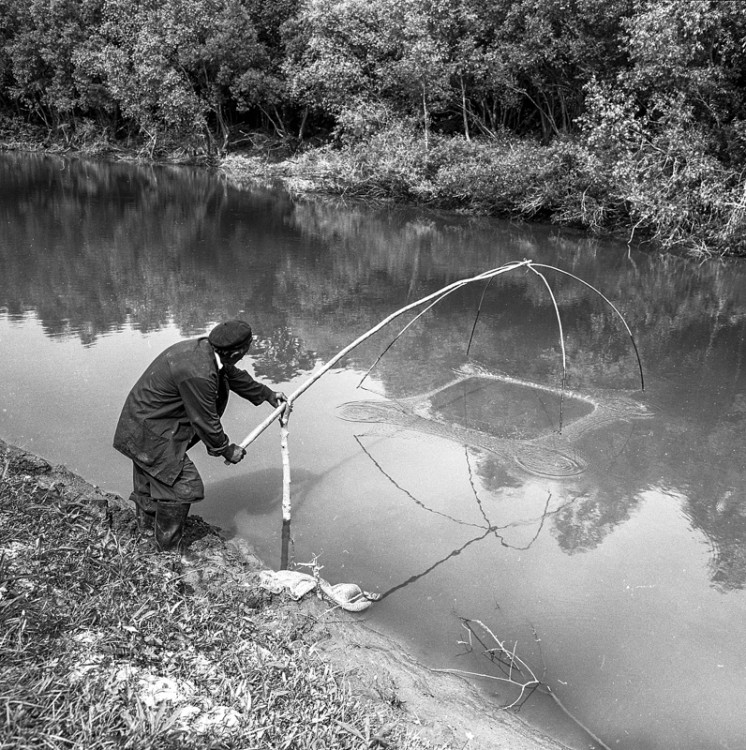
{"points": [[697, 211], [106, 643]]}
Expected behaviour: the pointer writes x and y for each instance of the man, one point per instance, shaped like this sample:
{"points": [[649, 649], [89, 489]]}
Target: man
{"points": [[177, 402]]}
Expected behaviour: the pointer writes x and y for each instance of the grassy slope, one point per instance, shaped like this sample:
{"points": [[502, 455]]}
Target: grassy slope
{"points": [[106, 644]]}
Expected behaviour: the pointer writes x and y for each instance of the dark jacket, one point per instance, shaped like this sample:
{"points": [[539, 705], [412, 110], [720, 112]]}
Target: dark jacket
{"points": [[178, 401]]}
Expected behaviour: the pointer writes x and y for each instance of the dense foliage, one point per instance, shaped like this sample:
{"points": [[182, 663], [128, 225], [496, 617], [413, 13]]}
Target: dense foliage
{"points": [[628, 112]]}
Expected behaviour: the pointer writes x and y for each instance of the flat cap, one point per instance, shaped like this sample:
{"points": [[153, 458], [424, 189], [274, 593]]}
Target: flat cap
{"points": [[230, 334]]}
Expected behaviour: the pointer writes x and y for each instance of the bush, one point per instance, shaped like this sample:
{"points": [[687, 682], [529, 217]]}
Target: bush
{"points": [[506, 176], [665, 169], [658, 178], [513, 177]]}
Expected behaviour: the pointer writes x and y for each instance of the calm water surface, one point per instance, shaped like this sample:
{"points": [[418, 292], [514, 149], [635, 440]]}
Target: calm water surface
{"points": [[610, 553]]}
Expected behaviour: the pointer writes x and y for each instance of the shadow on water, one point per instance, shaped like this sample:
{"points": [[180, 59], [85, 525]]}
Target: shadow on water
{"points": [[259, 493]]}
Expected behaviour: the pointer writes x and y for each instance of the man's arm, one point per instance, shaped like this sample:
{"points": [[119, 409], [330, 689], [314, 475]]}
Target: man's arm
{"points": [[242, 384]]}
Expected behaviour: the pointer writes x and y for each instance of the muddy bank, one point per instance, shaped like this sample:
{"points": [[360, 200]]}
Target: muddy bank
{"points": [[440, 710]]}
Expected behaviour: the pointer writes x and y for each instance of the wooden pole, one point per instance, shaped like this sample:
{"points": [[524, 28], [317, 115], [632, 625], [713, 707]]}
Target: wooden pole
{"points": [[286, 509], [259, 429], [286, 503]]}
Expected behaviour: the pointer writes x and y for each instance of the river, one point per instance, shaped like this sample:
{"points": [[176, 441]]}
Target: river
{"points": [[595, 528]]}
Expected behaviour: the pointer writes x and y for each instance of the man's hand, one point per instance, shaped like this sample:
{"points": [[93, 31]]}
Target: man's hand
{"points": [[233, 453], [277, 398]]}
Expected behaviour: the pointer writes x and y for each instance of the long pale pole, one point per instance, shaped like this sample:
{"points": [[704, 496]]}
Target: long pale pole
{"points": [[259, 429]]}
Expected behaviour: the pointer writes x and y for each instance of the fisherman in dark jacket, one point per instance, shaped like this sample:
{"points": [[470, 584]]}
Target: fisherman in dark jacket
{"points": [[177, 402]]}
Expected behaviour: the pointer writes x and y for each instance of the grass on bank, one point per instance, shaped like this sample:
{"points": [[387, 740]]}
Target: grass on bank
{"points": [[106, 644]]}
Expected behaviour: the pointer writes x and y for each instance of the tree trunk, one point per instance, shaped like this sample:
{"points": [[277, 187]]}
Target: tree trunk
{"points": [[464, 109], [302, 128], [426, 117]]}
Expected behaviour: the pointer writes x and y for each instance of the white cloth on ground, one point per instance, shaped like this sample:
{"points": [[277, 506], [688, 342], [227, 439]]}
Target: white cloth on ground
{"points": [[348, 596]]}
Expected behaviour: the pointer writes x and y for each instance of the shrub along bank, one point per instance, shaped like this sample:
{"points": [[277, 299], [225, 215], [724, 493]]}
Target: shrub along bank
{"points": [[664, 191]]}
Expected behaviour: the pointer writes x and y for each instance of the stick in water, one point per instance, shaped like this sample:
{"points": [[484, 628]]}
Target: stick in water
{"points": [[284, 419]]}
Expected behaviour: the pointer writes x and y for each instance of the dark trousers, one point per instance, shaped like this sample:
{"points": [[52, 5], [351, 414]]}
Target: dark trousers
{"points": [[164, 508]]}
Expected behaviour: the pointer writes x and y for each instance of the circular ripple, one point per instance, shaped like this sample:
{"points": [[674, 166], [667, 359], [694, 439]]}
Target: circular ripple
{"points": [[549, 463], [370, 411]]}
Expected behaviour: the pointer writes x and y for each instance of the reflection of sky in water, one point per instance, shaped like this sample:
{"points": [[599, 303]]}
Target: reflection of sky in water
{"points": [[631, 573]]}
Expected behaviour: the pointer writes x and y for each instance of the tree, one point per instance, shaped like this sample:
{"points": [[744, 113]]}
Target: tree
{"points": [[419, 77], [542, 52], [177, 67], [361, 52], [695, 50], [44, 45], [338, 48]]}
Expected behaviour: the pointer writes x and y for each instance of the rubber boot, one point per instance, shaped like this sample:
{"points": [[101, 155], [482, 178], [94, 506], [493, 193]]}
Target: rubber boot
{"points": [[170, 519], [145, 508]]}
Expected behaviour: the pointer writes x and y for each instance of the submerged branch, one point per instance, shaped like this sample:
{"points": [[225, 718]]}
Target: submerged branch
{"points": [[518, 673], [509, 659]]}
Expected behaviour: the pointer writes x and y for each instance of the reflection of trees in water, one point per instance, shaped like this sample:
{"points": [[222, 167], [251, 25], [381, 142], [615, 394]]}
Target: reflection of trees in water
{"points": [[280, 356], [156, 245], [592, 507], [583, 524], [91, 247], [716, 488], [593, 503], [487, 528], [621, 471]]}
